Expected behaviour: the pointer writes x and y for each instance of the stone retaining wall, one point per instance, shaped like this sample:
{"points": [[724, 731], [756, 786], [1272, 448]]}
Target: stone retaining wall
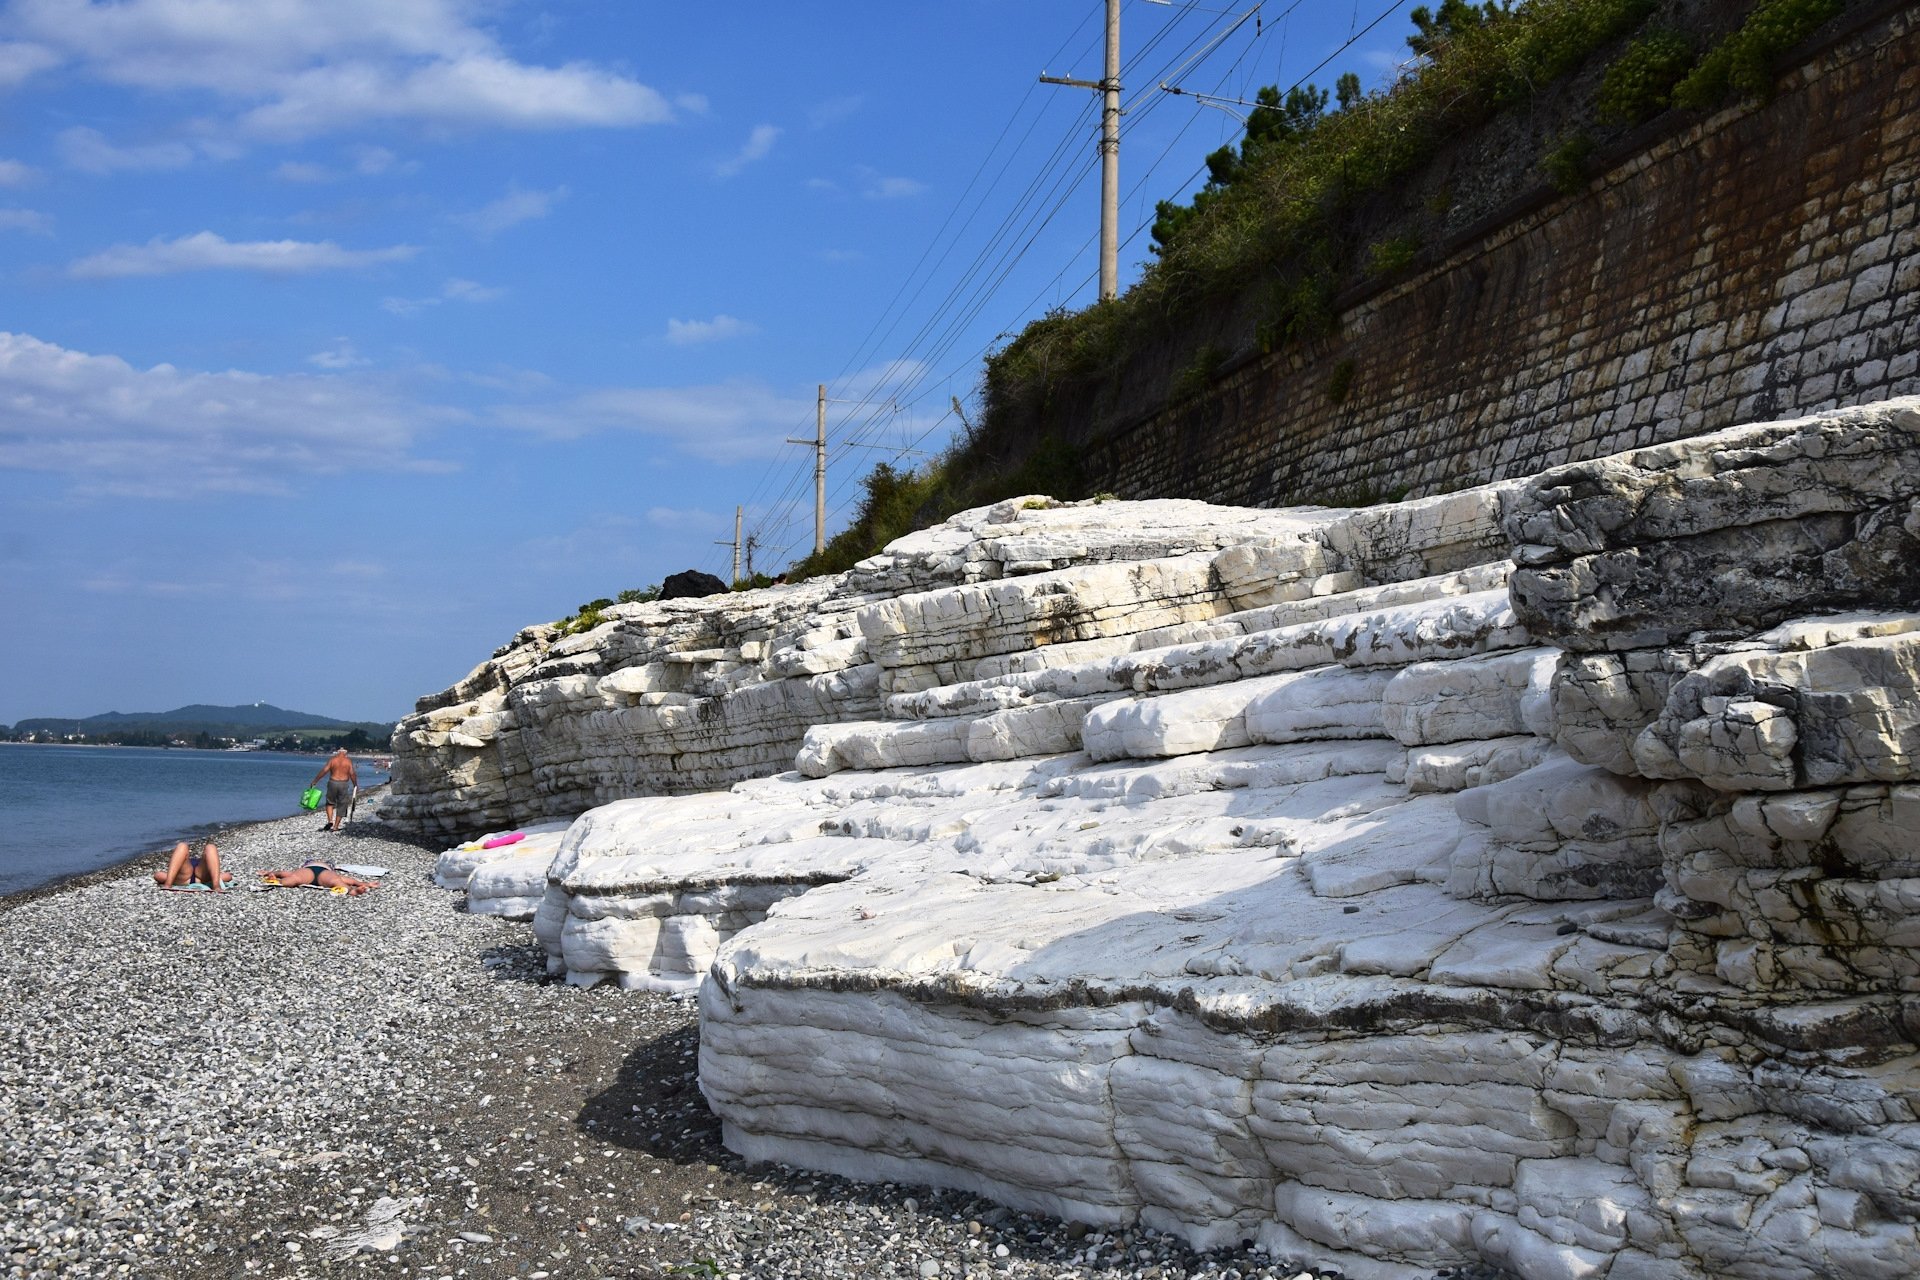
{"points": [[1763, 263]]}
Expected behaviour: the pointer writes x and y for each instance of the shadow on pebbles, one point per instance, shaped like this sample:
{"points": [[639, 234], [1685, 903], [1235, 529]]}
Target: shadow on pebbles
{"points": [[288, 1083]]}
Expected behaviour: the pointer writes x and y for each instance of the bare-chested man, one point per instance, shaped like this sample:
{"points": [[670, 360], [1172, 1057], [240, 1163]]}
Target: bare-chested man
{"points": [[342, 779]]}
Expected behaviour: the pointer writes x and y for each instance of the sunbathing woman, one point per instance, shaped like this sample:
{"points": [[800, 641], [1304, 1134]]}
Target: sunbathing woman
{"points": [[187, 869], [320, 875]]}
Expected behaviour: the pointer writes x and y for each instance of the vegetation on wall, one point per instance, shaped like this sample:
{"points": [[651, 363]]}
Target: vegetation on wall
{"points": [[1314, 199]]}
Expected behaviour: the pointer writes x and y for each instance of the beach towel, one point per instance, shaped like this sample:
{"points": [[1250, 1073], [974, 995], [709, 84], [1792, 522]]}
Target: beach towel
{"points": [[362, 870]]}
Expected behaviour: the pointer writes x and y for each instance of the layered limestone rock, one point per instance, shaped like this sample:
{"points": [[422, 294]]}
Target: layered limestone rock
{"points": [[1295, 876], [692, 695]]}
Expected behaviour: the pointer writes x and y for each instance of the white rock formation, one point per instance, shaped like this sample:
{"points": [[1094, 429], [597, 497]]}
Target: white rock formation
{"points": [[1283, 875], [455, 867]]}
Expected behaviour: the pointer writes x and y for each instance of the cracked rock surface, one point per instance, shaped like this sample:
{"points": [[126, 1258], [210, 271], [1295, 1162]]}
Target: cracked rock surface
{"points": [[1524, 879]]}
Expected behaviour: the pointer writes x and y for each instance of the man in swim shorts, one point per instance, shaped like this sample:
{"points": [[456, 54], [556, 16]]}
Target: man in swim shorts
{"points": [[341, 780]]}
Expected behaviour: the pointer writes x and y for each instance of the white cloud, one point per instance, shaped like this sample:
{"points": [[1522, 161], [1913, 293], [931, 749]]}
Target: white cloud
{"points": [[510, 210], [475, 92], [294, 68], [206, 251], [881, 381], [15, 174], [170, 432], [682, 520], [19, 60], [454, 290], [686, 333], [407, 306], [822, 184], [340, 356], [302, 171], [31, 220], [758, 145], [372, 161], [89, 151], [228, 577], [459, 290], [724, 422], [834, 110], [878, 187]]}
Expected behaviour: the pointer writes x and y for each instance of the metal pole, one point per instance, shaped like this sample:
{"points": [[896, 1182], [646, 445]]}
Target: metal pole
{"points": [[1110, 162], [1108, 87], [820, 463], [735, 544]]}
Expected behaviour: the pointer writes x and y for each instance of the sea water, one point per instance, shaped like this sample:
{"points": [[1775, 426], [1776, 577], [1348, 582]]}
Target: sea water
{"points": [[68, 810]]}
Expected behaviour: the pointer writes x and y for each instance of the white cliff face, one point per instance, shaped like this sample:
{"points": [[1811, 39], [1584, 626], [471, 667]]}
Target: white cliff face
{"points": [[1287, 875]]}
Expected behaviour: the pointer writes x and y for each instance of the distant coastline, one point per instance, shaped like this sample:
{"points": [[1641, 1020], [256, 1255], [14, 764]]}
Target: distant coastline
{"points": [[255, 725], [73, 812]]}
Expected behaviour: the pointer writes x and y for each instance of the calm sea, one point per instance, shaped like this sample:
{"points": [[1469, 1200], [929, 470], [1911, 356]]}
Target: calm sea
{"points": [[67, 810]]}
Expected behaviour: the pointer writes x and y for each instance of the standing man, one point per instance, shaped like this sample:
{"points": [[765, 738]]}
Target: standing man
{"points": [[342, 781]]}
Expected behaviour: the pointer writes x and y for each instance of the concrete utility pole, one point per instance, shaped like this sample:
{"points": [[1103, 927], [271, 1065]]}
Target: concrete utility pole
{"points": [[735, 544], [1109, 89], [819, 443]]}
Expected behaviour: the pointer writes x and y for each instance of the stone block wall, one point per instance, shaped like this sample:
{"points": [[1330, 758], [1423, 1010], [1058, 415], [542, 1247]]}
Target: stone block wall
{"points": [[1762, 263]]}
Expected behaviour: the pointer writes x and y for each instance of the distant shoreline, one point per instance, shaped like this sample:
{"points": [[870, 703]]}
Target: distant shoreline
{"points": [[114, 870], [218, 832], [368, 756]]}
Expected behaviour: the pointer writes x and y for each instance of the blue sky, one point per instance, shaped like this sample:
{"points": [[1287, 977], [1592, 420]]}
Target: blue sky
{"points": [[345, 337]]}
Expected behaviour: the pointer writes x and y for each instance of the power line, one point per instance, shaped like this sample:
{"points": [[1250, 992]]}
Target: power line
{"points": [[1001, 251]]}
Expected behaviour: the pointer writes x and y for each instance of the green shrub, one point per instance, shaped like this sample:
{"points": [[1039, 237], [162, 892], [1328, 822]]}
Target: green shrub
{"points": [[889, 508], [1272, 232], [1340, 385], [1566, 165], [1391, 257], [643, 596], [586, 619], [1639, 83], [1277, 207], [1743, 64], [1199, 373]]}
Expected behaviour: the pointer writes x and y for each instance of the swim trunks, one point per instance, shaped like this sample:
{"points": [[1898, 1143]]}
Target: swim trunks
{"points": [[339, 791]]}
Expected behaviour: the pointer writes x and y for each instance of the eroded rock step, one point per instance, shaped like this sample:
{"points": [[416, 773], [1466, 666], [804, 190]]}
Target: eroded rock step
{"points": [[1335, 897]]}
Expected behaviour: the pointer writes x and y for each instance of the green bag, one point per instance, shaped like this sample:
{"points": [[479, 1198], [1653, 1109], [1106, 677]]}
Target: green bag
{"points": [[310, 799]]}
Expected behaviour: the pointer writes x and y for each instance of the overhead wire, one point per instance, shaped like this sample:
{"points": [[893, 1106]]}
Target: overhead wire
{"points": [[1165, 151], [959, 317], [784, 505], [853, 429]]}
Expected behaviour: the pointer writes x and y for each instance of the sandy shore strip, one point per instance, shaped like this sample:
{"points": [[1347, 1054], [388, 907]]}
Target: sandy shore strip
{"points": [[289, 1083]]}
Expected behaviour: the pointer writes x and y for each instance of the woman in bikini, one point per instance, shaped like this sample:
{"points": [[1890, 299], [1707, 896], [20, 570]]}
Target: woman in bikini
{"points": [[320, 875], [187, 869]]}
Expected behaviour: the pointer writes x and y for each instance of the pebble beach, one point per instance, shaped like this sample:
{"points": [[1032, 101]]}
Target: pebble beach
{"points": [[290, 1083]]}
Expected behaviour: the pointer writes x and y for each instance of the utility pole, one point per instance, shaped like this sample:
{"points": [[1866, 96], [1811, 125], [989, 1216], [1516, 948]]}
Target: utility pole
{"points": [[819, 443], [735, 544], [1109, 89]]}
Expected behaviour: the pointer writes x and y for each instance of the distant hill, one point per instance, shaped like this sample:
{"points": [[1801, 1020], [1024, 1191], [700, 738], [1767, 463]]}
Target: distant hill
{"points": [[252, 720]]}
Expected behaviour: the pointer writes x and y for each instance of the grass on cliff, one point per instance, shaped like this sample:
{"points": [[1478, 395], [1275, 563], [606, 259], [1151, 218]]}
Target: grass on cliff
{"points": [[1281, 216], [1279, 221], [895, 502]]}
